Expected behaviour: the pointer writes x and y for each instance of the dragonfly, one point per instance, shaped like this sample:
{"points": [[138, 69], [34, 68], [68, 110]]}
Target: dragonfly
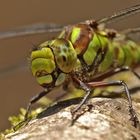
{"points": [[83, 54]]}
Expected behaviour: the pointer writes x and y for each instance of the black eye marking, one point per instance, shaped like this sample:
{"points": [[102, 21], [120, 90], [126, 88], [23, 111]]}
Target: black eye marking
{"points": [[64, 58], [41, 73]]}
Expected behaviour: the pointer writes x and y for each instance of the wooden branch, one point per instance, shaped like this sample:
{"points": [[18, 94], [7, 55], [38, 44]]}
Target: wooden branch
{"points": [[100, 119]]}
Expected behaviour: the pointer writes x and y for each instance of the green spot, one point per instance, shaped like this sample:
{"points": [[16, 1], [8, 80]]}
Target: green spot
{"points": [[60, 79], [108, 59], [42, 64], [75, 34], [139, 54], [47, 79], [96, 43], [135, 50], [129, 56], [43, 53]]}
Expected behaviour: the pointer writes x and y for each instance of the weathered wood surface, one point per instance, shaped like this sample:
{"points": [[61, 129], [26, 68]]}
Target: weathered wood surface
{"points": [[101, 119]]}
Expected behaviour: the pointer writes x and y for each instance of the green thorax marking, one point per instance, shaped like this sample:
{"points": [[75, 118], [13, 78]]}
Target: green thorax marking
{"points": [[97, 42], [79, 35], [75, 34]]}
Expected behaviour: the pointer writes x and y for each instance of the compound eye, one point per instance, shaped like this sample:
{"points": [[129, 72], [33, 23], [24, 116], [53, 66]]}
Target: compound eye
{"points": [[65, 54], [42, 69]]}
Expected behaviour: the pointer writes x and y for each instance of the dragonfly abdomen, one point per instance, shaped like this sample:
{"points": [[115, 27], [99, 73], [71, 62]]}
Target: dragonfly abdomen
{"points": [[132, 54]]}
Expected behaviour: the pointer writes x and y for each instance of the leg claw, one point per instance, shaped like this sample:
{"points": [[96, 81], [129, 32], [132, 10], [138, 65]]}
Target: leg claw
{"points": [[134, 118]]}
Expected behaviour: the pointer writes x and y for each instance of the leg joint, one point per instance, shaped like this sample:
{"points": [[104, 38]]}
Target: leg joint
{"points": [[121, 83]]}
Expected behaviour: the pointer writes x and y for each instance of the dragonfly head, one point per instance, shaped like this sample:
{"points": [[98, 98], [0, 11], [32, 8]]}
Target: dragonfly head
{"points": [[51, 59]]}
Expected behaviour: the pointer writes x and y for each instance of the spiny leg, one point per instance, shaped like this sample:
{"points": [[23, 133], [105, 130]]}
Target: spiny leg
{"points": [[42, 94], [115, 94], [123, 69], [113, 72], [133, 118], [87, 89], [32, 101], [102, 84]]}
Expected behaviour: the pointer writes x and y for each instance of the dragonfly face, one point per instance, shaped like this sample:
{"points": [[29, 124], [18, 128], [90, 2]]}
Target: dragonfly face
{"points": [[51, 60]]}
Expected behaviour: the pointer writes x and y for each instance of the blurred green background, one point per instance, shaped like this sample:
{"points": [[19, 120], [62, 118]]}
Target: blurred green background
{"points": [[18, 85]]}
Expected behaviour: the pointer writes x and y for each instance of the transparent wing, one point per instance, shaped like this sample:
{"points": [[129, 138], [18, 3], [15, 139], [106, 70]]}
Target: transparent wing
{"points": [[11, 69], [32, 29], [132, 33], [121, 14], [53, 28]]}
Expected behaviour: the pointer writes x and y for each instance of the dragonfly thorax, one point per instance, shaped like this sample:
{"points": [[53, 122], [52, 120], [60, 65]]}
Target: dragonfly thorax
{"points": [[52, 60]]}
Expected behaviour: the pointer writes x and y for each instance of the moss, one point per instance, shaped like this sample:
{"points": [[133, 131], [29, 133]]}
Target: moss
{"points": [[18, 121]]}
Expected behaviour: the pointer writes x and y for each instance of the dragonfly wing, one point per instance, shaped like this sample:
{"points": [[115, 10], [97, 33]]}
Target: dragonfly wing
{"points": [[12, 68], [32, 29], [132, 33], [120, 15]]}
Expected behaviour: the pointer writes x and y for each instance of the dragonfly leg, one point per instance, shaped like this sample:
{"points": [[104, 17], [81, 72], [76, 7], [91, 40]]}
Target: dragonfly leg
{"points": [[42, 94], [113, 72], [34, 100], [87, 89], [127, 69], [132, 90], [133, 118], [115, 94]]}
